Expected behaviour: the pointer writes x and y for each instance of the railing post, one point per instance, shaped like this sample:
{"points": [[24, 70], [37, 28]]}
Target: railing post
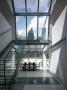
{"points": [[4, 76]]}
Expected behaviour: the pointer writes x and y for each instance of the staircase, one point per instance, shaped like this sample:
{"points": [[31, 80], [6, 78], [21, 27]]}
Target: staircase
{"points": [[6, 73]]}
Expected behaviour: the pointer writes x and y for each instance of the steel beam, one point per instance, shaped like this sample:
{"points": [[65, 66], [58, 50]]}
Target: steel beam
{"points": [[32, 14], [31, 42]]}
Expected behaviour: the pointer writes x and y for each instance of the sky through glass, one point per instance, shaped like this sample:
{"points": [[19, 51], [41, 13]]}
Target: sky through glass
{"points": [[32, 6]]}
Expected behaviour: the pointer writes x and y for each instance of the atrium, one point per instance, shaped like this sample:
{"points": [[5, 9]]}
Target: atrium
{"points": [[33, 44]]}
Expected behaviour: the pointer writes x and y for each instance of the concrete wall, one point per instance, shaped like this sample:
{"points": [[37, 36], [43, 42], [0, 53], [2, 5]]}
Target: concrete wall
{"points": [[58, 64], [58, 31], [10, 5], [57, 9], [5, 32], [58, 59], [6, 10], [7, 23]]}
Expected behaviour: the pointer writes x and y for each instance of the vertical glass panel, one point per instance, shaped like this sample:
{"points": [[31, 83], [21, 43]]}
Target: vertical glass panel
{"points": [[26, 48], [39, 51], [43, 28], [46, 29], [21, 27], [39, 55], [32, 53], [11, 59], [41, 25], [32, 47], [19, 6], [32, 5], [31, 27], [44, 5], [25, 54]]}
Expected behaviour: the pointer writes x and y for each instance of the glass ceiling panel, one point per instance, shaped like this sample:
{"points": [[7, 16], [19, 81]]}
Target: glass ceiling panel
{"points": [[21, 27], [44, 5], [19, 6], [32, 5]]}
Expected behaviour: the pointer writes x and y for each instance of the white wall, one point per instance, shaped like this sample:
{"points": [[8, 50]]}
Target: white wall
{"points": [[58, 31], [58, 59], [58, 64], [6, 37], [4, 25]]}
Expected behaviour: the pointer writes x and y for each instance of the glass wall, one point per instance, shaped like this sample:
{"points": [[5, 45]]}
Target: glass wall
{"points": [[32, 19], [21, 27], [31, 27], [43, 28], [32, 53], [33, 31]]}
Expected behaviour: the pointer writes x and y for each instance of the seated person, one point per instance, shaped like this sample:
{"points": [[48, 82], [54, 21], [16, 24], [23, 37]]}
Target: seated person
{"points": [[34, 66], [24, 66], [29, 68]]}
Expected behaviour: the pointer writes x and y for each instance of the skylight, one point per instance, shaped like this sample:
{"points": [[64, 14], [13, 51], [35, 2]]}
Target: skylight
{"points": [[31, 5], [32, 19], [19, 6]]}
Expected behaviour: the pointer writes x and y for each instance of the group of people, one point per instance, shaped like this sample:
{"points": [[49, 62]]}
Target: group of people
{"points": [[29, 66]]}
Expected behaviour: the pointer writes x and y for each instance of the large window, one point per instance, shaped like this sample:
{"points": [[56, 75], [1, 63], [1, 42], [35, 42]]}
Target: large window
{"points": [[31, 27], [43, 28], [21, 27], [32, 18], [32, 32], [32, 53]]}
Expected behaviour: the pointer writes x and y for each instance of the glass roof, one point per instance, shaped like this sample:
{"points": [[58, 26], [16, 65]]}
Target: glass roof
{"points": [[32, 5], [44, 5], [19, 6], [23, 6]]}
